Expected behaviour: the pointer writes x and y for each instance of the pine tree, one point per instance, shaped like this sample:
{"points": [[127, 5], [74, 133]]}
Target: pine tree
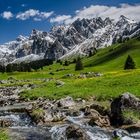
{"points": [[9, 68], [2, 68], [74, 61], [66, 63], [79, 64], [129, 64], [59, 61], [120, 40], [92, 52]]}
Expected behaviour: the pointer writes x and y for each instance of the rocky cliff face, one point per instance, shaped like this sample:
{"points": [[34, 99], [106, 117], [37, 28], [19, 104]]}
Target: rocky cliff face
{"points": [[80, 37]]}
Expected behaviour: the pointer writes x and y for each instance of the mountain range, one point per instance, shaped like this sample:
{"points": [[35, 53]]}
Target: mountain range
{"points": [[79, 38]]}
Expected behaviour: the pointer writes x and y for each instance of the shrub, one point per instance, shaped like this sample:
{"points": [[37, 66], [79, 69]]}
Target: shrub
{"points": [[59, 61]]}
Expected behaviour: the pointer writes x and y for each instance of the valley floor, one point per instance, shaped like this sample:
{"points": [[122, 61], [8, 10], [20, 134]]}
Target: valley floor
{"points": [[81, 84]]}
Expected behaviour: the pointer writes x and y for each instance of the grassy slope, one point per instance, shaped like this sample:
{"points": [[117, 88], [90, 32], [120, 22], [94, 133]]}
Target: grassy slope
{"points": [[113, 57], [3, 135], [109, 61], [110, 85]]}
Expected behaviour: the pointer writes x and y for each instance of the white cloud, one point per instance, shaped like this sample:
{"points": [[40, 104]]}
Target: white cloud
{"points": [[114, 12], [7, 15], [60, 18], [45, 14], [27, 14], [130, 11], [37, 19], [91, 11], [33, 13]]}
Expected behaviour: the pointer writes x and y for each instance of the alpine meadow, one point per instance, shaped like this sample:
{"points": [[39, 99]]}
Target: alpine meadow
{"points": [[76, 76]]}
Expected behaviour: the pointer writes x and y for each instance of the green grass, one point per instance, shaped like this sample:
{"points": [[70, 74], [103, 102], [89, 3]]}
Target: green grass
{"points": [[3, 135], [116, 138], [133, 114], [108, 86], [37, 114], [109, 61], [113, 57], [37, 82]]}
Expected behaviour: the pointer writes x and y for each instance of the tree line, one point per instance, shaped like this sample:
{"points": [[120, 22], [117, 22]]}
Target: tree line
{"points": [[39, 64], [26, 67]]}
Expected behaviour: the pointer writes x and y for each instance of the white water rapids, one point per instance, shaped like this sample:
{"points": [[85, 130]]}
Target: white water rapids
{"points": [[23, 128], [94, 133]]}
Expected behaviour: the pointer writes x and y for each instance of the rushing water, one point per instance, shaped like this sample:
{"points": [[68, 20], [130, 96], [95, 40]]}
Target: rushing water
{"points": [[17, 119], [93, 133], [23, 128]]}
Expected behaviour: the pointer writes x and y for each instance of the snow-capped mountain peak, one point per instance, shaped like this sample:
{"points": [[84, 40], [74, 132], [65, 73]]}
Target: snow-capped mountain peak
{"points": [[21, 38], [80, 37], [124, 21]]}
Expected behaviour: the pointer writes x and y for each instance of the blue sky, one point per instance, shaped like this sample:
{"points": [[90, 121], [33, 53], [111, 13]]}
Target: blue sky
{"points": [[21, 16]]}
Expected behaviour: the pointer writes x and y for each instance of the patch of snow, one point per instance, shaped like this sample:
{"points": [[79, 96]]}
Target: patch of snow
{"points": [[29, 58], [49, 39]]}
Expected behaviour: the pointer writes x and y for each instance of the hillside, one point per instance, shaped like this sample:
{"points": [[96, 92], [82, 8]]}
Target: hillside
{"points": [[113, 57], [40, 93]]}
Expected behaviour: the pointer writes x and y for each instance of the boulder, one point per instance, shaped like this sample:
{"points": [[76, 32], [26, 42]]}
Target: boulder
{"points": [[101, 121], [12, 79], [59, 83], [98, 74], [5, 123], [3, 82], [92, 74], [129, 101], [68, 75], [75, 132], [82, 76], [29, 86], [72, 112], [99, 108], [58, 116], [88, 111], [66, 102], [80, 100], [118, 105], [41, 116], [29, 108], [96, 118]]}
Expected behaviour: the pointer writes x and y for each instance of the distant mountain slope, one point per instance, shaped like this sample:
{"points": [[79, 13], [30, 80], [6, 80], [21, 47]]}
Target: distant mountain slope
{"points": [[80, 37]]}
